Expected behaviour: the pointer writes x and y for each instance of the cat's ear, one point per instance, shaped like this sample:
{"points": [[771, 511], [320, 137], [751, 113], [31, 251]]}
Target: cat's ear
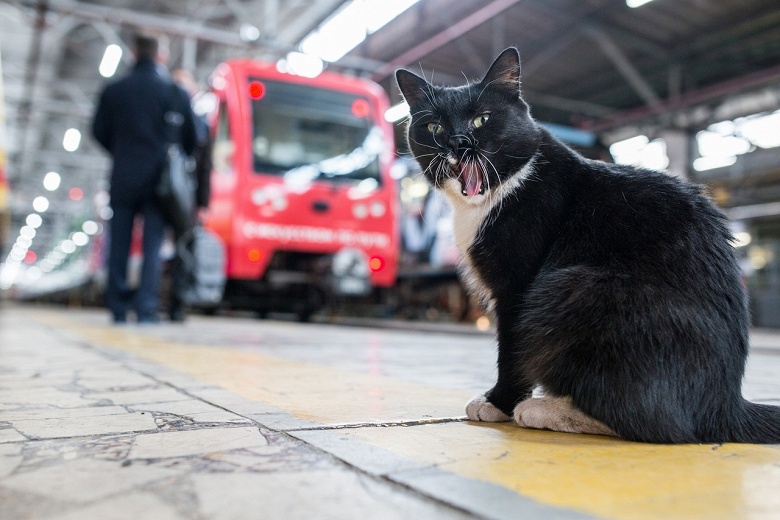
{"points": [[505, 71], [413, 87]]}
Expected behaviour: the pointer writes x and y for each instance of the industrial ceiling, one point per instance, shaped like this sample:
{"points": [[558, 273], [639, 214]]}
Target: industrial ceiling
{"points": [[596, 65]]}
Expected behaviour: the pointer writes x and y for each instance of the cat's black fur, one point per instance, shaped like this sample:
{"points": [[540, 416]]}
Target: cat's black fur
{"points": [[613, 285]]}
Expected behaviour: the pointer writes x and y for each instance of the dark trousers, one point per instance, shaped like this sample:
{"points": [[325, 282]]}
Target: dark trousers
{"points": [[180, 273], [119, 297]]}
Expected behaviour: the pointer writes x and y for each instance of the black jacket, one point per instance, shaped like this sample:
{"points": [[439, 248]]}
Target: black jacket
{"points": [[129, 123]]}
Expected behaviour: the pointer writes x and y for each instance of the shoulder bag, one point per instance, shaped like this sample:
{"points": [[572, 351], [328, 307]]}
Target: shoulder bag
{"points": [[175, 191]]}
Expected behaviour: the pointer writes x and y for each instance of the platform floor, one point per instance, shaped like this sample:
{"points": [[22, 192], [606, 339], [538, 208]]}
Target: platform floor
{"points": [[237, 418]]}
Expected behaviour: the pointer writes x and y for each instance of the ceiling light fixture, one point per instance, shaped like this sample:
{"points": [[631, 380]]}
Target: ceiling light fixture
{"points": [[637, 3], [110, 61], [71, 140], [51, 181], [40, 204]]}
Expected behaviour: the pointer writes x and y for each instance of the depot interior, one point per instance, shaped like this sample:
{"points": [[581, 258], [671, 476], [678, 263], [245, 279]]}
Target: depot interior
{"points": [[691, 86]]}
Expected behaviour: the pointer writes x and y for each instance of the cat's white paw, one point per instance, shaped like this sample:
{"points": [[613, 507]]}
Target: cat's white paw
{"points": [[480, 409], [557, 414]]}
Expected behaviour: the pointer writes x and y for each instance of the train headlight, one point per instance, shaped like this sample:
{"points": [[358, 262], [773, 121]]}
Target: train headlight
{"points": [[376, 263]]}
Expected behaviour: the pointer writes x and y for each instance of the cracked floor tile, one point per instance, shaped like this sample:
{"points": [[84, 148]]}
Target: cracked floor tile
{"points": [[195, 442], [97, 424]]}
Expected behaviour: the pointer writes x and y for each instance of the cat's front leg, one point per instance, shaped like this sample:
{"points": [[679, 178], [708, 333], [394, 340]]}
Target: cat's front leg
{"points": [[498, 403], [480, 409], [490, 406]]}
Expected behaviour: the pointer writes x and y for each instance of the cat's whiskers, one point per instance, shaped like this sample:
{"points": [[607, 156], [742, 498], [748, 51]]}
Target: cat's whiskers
{"points": [[436, 169], [499, 191], [430, 94], [420, 112], [494, 152], [423, 145], [442, 174], [481, 163], [467, 82]]}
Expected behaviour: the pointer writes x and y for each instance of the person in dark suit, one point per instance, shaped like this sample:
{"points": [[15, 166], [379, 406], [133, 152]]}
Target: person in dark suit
{"points": [[130, 124]]}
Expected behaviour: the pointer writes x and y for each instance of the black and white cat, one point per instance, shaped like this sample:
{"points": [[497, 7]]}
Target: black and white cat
{"points": [[614, 288]]}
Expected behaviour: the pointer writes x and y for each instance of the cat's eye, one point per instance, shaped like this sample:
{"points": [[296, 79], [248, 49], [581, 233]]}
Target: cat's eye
{"points": [[435, 128], [480, 120]]}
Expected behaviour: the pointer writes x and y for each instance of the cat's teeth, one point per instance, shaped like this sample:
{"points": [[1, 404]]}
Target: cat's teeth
{"points": [[465, 193], [472, 181]]}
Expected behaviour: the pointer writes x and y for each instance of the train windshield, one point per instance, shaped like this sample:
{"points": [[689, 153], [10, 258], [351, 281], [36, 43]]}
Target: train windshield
{"points": [[307, 133]]}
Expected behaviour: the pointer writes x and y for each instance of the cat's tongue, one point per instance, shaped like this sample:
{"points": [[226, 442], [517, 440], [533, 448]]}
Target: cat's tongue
{"points": [[471, 181]]}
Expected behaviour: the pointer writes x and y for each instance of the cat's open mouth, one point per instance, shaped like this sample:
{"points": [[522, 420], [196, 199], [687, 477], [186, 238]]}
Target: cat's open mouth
{"points": [[471, 177]]}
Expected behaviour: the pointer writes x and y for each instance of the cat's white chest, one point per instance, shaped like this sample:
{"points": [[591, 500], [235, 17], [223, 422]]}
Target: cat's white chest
{"points": [[467, 221], [467, 224]]}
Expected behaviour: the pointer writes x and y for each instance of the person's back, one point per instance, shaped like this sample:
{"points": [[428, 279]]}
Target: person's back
{"points": [[130, 125]]}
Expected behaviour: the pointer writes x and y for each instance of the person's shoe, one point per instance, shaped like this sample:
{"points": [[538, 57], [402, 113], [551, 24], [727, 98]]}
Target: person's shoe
{"points": [[177, 315], [119, 318]]}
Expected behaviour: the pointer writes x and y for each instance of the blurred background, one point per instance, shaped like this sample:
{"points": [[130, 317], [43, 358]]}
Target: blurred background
{"points": [[692, 86]]}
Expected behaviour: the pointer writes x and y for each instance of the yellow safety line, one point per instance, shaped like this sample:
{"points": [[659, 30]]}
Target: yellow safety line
{"points": [[305, 390], [597, 475], [601, 476]]}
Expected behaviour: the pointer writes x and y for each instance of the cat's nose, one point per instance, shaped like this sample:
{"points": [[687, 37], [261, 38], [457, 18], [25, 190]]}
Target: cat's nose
{"points": [[455, 142]]}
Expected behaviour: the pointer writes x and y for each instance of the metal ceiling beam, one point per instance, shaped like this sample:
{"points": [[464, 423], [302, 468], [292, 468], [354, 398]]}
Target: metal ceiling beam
{"points": [[446, 36], [689, 99], [270, 18], [466, 48], [688, 52], [556, 47], [623, 64], [168, 24], [592, 16]]}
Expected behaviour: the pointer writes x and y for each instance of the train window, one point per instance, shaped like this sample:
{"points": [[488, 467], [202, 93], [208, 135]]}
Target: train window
{"points": [[300, 130], [223, 146]]}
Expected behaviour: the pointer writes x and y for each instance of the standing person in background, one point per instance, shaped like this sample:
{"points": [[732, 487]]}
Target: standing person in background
{"points": [[202, 156], [130, 124]]}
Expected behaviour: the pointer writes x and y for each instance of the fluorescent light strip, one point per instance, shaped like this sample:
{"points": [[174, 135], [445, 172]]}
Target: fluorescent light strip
{"points": [[110, 61], [637, 3], [348, 27], [397, 112]]}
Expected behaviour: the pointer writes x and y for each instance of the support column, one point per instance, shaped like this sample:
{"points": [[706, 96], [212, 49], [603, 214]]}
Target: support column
{"points": [[678, 149], [189, 55]]}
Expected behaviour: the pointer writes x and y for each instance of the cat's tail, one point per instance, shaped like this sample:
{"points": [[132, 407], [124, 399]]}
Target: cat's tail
{"points": [[759, 424]]}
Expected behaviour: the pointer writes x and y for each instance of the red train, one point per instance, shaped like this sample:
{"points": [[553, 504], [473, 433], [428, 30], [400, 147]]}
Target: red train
{"points": [[301, 192]]}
